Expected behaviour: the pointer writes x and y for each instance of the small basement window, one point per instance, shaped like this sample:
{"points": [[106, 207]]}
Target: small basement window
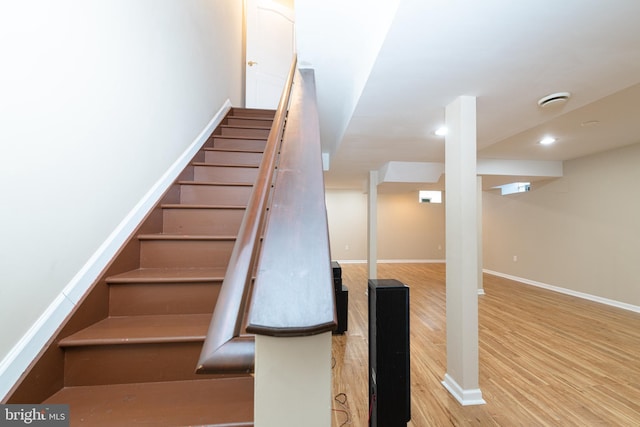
{"points": [[430, 196], [514, 187]]}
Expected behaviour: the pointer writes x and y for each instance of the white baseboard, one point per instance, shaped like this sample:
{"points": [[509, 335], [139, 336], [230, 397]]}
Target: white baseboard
{"points": [[466, 397], [16, 362], [594, 298], [18, 359], [392, 261], [410, 261]]}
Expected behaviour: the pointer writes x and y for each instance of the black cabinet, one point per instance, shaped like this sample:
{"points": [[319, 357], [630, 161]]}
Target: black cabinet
{"points": [[342, 298], [389, 358], [342, 305]]}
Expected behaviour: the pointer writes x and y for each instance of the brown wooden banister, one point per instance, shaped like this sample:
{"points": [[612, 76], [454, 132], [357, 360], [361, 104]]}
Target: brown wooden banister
{"points": [[225, 349], [293, 292]]}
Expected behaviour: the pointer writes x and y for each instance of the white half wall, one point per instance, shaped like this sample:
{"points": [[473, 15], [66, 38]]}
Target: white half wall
{"points": [[293, 381], [98, 101]]}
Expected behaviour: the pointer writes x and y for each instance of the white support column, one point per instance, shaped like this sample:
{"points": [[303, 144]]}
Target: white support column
{"points": [[293, 381], [480, 263], [462, 374], [372, 226]]}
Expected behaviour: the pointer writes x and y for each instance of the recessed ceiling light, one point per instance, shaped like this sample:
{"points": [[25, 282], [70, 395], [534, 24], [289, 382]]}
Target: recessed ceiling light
{"points": [[554, 99], [590, 123], [441, 131], [547, 140]]}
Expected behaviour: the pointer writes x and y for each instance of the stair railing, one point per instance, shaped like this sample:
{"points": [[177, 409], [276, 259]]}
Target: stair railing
{"points": [[292, 311], [293, 293], [225, 348], [292, 303]]}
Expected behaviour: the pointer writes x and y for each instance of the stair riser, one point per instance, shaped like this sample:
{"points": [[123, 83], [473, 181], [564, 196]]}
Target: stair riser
{"points": [[225, 174], [215, 194], [237, 144], [233, 158], [131, 363], [239, 121], [245, 132], [165, 298], [219, 402], [253, 112], [185, 253], [211, 222]]}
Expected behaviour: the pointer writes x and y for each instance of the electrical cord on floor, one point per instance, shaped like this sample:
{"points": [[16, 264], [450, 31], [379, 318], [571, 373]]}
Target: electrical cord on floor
{"points": [[341, 398]]}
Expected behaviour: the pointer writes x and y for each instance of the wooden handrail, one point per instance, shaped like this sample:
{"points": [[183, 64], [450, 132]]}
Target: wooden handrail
{"points": [[224, 349], [293, 291]]}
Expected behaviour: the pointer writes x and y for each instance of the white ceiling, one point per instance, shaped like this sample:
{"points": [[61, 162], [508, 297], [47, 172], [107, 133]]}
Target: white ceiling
{"points": [[386, 70]]}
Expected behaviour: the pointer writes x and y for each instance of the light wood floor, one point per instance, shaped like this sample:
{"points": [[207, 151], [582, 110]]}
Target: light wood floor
{"points": [[546, 359]]}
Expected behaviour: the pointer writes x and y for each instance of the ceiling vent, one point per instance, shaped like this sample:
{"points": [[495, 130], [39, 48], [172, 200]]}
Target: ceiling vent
{"points": [[554, 99]]}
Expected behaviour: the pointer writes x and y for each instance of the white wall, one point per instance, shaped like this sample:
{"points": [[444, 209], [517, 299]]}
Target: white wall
{"points": [[580, 232], [97, 100], [347, 219], [407, 230]]}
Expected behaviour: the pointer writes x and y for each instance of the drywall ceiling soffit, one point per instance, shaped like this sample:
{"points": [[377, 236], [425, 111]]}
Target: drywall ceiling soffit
{"points": [[422, 172], [536, 168], [341, 41], [414, 176]]}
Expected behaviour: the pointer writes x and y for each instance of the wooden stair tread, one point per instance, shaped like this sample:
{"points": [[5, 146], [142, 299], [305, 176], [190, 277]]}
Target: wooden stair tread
{"points": [[226, 165], [224, 184], [142, 329], [245, 127], [168, 275], [249, 117], [256, 138], [232, 150], [196, 206], [191, 237], [213, 402]]}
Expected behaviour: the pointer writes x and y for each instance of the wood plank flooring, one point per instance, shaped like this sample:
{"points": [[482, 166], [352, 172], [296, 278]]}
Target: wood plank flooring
{"points": [[546, 359]]}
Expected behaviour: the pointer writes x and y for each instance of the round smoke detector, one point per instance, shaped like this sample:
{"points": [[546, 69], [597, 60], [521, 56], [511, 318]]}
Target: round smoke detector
{"points": [[554, 99]]}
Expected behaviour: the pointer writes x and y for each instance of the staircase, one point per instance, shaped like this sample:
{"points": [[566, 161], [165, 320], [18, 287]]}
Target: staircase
{"points": [[136, 366]]}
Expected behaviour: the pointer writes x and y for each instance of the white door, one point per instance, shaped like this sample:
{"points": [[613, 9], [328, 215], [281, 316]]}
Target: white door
{"points": [[270, 48]]}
